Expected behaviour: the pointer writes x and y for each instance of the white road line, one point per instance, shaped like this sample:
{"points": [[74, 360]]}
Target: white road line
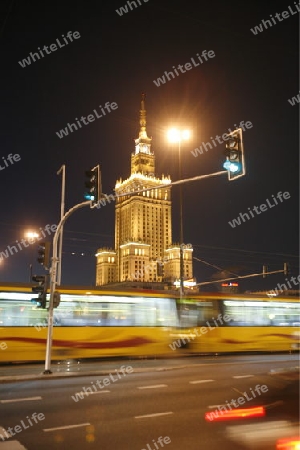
{"points": [[200, 381], [67, 427], [154, 386], [99, 392], [20, 399], [154, 415], [78, 394], [243, 376], [12, 445]]}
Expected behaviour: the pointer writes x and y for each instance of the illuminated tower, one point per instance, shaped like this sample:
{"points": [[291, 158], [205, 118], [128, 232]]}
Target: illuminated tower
{"points": [[143, 220], [143, 223]]}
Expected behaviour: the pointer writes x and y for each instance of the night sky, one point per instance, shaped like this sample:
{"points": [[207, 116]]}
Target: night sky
{"points": [[115, 59]]}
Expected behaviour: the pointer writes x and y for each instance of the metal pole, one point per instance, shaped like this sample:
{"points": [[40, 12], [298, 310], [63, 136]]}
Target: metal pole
{"points": [[53, 284], [62, 212], [181, 289]]}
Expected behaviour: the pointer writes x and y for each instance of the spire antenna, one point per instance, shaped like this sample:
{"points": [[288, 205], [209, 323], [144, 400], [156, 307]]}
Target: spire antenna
{"points": [[143, 132]]}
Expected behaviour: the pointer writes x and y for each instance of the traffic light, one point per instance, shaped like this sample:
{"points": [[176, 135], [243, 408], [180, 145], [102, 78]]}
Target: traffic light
{"points": [[40, 289], [93, 185], [44, 254], [235, 164]]}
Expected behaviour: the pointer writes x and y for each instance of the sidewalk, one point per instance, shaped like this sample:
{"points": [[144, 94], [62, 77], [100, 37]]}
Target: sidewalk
{"points": [[103, 367], [80, 368]]}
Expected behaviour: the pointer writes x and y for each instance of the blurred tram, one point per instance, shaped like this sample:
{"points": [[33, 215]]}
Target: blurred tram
{"points": [[219, 323], [86, 324], [99, 323]]}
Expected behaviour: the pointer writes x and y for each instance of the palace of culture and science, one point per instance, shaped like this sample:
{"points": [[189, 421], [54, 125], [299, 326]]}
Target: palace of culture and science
{"points": [[144, 252]]}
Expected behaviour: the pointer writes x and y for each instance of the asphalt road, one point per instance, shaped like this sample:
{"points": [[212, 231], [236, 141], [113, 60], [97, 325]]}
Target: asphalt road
{"points": [[132, 410]]}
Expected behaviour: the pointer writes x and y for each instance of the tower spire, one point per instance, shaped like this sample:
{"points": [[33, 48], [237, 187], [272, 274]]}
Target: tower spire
{"points": [[143, 132]]}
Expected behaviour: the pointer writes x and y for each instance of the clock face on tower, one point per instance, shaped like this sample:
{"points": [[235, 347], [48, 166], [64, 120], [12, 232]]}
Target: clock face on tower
{"points": [[145, 148]]}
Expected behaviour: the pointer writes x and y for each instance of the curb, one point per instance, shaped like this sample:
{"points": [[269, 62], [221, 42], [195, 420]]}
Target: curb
{"points": [[54, 376], [291, 373]]}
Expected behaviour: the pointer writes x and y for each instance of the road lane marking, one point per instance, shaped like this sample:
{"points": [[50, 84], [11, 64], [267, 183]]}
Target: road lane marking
{"points": [[200, 381], [12, 445], [154, 415], [99, 392], [67, 427], [20, 399], [153, 386], [243, 376], [78, 394]]}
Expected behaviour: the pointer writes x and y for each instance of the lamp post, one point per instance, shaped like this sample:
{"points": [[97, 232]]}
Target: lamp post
{"points": [[177, 135], [62, 171]]}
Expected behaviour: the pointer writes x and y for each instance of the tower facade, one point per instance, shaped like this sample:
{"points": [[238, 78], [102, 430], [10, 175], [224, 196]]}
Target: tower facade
{"points": [[143, 222]]}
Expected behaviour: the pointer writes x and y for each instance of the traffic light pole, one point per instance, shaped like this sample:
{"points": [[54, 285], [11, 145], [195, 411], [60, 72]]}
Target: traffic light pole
{"points": [[54, 261], [53, 281]]}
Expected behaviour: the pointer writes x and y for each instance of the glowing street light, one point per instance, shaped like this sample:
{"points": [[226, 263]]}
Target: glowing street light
{"points": [[31, 234], [176, 135]]}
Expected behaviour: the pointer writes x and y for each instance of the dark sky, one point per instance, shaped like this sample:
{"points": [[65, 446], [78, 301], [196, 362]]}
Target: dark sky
{"points": [[116, 58]]}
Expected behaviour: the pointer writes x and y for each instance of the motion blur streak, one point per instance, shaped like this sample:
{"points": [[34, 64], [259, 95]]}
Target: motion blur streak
{"points": [[244, 413], [288, 444]]}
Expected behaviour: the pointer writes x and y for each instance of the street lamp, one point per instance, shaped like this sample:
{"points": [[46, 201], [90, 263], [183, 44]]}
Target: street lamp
{"points": [[31, 234], [179, 135]]}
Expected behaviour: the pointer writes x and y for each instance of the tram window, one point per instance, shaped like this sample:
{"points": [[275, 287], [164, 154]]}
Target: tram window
{"points": [[166, 312], [100, 314], [193, 314], [20, 314], [255, 313], [206, 312], [84, 311]]}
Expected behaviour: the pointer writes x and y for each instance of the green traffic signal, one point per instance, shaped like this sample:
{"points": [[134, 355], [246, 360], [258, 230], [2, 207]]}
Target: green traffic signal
{"points": [[234, 152], [93, 185], [40, 289]]}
